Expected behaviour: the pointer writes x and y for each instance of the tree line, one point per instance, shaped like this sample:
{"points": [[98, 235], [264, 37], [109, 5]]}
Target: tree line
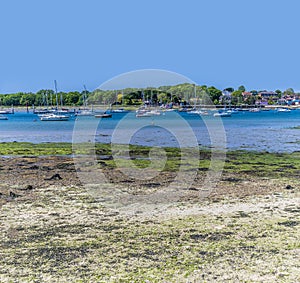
{"points": [[178, 94], [44, 97]]}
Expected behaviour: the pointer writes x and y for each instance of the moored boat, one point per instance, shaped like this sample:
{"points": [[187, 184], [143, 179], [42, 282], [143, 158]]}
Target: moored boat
{"points": [[2, 117], [104, 115], [144, 112], [119, 110], [54, 117], [254, 110], [85, 112], [222, 114], [197, 112], [41, 111], [232, 111], [7, 111], [283, 110]]}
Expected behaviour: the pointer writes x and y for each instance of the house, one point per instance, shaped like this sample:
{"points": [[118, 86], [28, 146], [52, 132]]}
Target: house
{"points": [[247, 94], [267, 94]]}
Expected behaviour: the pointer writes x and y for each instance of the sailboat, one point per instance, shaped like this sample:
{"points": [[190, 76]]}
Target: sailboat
{"points": [[103, 115], [7, 111], [57, 115], [85, 111], [119, 110], [222, 114], [196, 111]]}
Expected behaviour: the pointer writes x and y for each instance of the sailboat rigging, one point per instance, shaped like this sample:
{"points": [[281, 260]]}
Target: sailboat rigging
{"points": [[85, 111], [55, 115]]}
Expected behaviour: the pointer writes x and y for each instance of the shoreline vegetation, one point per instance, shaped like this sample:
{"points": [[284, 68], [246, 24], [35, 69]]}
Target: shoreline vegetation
{"points": [[105, 107], [53, 230], [176, 95]]}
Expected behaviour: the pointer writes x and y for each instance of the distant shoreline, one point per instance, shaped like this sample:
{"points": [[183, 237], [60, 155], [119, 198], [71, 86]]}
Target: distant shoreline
{"points": [[134, 108]]}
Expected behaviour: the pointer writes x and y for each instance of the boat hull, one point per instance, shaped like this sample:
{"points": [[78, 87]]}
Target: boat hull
{"points": [[54, 117], [222, 114], [103, 116]]}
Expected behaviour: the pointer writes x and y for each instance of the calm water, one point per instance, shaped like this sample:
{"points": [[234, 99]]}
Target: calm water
{"points": [[263, 131]]}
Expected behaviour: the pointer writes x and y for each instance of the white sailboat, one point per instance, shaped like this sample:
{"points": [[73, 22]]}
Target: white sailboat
{"points": [[55, 115], [196, 111], [7, 111], [222, 114], [85, 111]]}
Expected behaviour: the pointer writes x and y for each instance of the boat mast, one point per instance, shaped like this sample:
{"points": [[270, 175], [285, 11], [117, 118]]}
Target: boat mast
{"points": [[46, 97], [55, 85], [61, 100], [84, 97], [143, 97], [195, 97], [51, 99]]}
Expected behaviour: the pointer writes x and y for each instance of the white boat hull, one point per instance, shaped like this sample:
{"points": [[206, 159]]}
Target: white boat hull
{"points": [[54, 117]]}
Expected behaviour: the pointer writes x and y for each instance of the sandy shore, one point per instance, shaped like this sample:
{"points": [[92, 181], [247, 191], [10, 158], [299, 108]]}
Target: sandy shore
{"points": [[54, 230]]}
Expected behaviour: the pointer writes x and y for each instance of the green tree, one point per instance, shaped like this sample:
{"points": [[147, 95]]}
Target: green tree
{"points": [[72, 98], [229, 89], [279, 93], [27, 99], [12, 99], [214, 93], [289, 91], [163, 98], [250, 100], [242, 88], [270, 101], [237, 97]]}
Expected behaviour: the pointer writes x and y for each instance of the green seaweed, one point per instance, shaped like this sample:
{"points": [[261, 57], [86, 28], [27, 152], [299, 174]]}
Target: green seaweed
{"points": [[262, 164]]}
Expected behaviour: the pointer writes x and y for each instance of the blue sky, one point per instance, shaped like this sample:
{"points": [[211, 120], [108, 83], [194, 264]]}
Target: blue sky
{"points": [[213, 42]]}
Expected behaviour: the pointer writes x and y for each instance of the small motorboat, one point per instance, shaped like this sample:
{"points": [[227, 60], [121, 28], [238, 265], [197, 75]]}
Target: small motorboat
{"points": [[41, 111], [222, 114], [2, 117], [254, 110], [54, 117], [143, 114], [147, 113], [104, 115], [283, 110], [85, 112], [198, 112], [7, 111], [119, 110]]}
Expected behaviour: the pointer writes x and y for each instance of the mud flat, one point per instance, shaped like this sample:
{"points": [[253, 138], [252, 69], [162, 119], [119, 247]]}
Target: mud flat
{"points": [[54, 230]]}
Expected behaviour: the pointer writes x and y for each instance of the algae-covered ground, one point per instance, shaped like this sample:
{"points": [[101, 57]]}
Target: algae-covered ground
{"points": [[53, 230]]}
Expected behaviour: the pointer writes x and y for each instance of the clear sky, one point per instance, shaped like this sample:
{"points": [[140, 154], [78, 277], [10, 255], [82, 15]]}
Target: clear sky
{"points": [[214, 42]]}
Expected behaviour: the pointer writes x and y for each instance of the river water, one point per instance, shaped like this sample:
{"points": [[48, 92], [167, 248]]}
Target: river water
{"points": [[263, 131]]}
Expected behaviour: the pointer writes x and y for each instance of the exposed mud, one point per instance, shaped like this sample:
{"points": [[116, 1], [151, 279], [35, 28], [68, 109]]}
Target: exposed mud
{"points": [[53, 230]]}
